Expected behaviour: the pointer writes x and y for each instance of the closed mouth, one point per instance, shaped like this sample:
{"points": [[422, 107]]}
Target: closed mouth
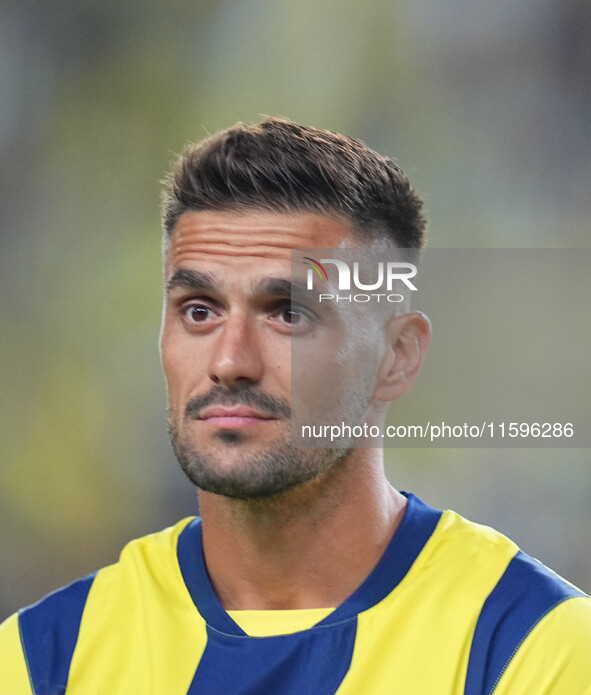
{"points": [[233, 416]]}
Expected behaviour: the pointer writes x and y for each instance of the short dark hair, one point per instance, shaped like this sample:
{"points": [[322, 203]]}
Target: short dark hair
{"points": [[280, 166]]}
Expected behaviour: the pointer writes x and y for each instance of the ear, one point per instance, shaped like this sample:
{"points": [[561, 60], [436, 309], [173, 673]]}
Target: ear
{"points": [[408, 337]]}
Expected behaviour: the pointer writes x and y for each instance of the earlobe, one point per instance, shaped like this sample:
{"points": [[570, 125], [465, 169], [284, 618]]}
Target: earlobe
{"points": [[408, 338]]}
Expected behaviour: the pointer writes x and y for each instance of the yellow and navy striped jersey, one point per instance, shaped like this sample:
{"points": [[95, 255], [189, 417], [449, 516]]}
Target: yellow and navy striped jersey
{"points": [[452, 608]]}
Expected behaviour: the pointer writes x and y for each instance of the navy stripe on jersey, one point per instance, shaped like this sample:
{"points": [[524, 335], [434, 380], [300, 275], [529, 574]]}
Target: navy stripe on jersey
{"points": [[313, 661], [415, 529], [192, 564], [49, 631], [526, 592]]}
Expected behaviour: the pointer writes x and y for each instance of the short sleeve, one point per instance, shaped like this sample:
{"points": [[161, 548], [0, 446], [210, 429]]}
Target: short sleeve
{"points": [[555, 657]]}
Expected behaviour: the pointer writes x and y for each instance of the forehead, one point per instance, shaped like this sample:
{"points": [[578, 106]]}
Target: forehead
{"points": [[251, 238]]}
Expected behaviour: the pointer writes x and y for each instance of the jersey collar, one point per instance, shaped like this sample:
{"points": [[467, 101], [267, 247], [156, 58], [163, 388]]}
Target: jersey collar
{"points": [[415, 529]]}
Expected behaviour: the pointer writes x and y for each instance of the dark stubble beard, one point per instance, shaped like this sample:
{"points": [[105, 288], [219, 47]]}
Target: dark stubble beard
{"points": [[257, 476]]}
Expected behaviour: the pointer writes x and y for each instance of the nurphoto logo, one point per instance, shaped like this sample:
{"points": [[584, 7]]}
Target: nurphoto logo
{"points": [[386, 274]]}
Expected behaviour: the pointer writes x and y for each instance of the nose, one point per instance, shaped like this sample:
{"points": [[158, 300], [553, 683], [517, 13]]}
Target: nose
{"points": [[236, 357]]}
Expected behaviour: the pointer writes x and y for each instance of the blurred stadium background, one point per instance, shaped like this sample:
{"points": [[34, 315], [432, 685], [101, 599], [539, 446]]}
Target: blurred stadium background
{"points": [[486, 105]]}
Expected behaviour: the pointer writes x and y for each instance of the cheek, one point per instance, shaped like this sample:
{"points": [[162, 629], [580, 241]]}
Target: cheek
{"points": [[314, 375], [332, 375], [278, 378]]}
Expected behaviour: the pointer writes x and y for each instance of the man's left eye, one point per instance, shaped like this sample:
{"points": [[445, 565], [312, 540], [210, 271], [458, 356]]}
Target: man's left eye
{"points": [[292, 316]]}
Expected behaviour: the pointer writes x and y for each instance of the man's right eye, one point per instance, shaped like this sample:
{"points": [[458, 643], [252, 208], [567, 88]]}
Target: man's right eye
{"points": [[196, 313]]}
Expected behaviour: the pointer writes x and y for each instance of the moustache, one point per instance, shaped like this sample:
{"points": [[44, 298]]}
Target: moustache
{"points": [[241, 395]]}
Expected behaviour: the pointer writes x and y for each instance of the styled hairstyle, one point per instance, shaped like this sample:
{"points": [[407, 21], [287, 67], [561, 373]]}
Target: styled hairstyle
{"points": [[280, 166]]}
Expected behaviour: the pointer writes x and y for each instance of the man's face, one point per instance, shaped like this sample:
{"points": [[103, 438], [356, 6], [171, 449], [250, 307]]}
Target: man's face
{"points": [[226, 338]]}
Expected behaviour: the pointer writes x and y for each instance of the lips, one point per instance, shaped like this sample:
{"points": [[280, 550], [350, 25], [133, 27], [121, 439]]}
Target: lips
{"points": [[233, 416]]}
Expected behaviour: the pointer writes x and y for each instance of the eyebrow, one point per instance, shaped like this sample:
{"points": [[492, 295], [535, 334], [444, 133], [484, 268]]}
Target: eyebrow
{"points": [[198, 280], [191, 280], [280, 286]]}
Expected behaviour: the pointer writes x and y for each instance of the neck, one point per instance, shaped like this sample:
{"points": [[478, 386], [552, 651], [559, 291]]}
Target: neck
{"points": [[310, 547]]}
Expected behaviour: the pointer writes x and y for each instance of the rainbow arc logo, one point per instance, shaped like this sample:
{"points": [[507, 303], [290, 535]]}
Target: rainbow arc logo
{"points": [[317, 267]]}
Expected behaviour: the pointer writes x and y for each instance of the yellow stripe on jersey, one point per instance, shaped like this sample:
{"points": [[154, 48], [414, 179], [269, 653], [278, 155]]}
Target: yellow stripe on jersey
{"points": [[14, 678], [555, 657], [267, 623], [140, 614], [418, 639]]}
